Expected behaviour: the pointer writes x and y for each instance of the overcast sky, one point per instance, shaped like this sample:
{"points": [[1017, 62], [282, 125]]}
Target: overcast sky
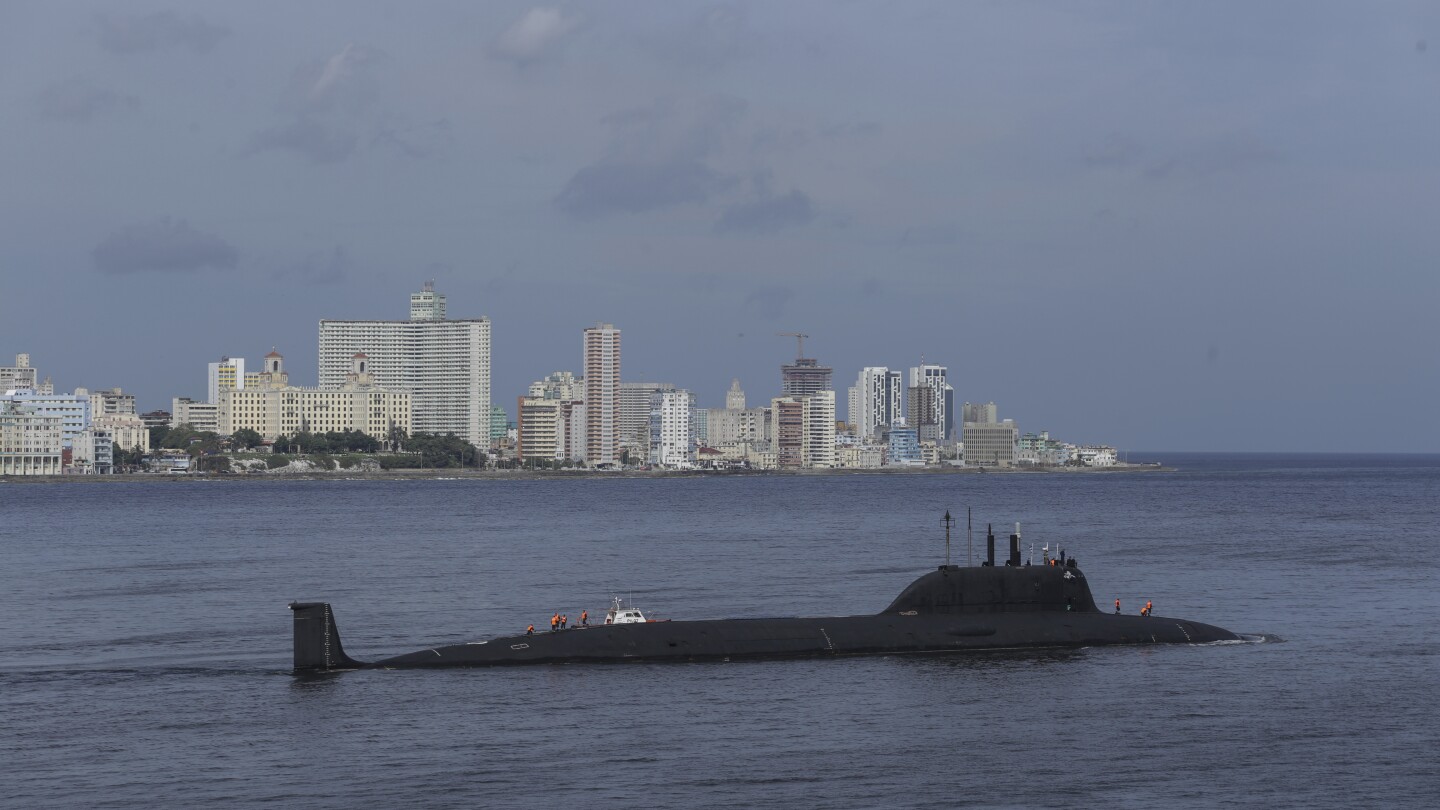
{"points": [[1208, 226]]}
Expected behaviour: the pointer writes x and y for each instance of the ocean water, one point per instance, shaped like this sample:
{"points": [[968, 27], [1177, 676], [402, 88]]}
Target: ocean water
{"points": [[145, 642]]}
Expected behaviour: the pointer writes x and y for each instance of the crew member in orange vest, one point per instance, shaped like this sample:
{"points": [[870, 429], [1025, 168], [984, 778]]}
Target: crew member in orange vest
{"points": [[1117, 606], [564, 620], [1148, 607], [585, 617], [555, 622], [530, 631]]}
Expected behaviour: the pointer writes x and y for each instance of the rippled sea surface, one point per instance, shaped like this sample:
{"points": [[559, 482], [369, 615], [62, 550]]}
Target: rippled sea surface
{"points": [[145, 642]]}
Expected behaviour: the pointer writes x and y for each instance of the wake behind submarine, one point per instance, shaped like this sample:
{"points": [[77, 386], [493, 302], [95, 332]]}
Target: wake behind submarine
{"points": [[952, 609]]}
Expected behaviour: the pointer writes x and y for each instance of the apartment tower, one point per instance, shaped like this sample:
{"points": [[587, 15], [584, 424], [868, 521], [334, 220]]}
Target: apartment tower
{"points": [[602, 395]]}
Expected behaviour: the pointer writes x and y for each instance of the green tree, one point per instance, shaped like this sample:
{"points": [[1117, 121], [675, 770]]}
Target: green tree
{"points": [[246, 439]]}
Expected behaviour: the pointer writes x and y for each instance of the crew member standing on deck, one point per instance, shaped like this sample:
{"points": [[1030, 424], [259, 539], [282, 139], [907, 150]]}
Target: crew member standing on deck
{"points": [[585, 617], [564, 620], [555, 622], [1117, 607], [530, 631]]}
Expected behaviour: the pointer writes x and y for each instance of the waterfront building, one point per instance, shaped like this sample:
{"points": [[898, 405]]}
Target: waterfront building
{"points": [[702, 425], [30, 440], [226, 375], [933, 416], [787, 420], [990, 444], [201, 416], [1040, 450], [875, 399], [634, 415], [804, 377], [575, 426], [360, 403], [1092, 455], [444, 365], [726, 426], [73, 409], [672, 434], [802, 432], [859, 456], [903, 448], [602, 395], [540, 429], [92, 452], [127, 431]]}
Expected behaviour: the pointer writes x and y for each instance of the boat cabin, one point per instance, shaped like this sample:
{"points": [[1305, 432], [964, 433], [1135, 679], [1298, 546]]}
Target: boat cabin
{"points": [[620, 613]]}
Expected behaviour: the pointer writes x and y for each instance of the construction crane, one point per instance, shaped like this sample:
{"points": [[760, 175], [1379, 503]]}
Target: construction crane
{"points": [[799, 342]]}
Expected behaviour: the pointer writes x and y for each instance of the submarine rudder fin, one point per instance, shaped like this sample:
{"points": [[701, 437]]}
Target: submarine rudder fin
{"points": [[317, 639]]}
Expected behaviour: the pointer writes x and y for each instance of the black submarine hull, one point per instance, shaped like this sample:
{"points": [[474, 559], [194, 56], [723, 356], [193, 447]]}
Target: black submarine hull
{"points": [[950, 610]]}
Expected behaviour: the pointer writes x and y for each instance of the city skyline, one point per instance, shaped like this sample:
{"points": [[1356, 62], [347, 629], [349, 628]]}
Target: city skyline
{"points": [[1166, 226]]}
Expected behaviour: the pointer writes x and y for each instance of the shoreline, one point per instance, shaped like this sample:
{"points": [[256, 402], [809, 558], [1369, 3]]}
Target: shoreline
{"points": [[451, 474]]}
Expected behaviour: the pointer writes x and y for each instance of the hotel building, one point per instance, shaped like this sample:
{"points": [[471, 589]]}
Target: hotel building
{"points": [[443, 364]]}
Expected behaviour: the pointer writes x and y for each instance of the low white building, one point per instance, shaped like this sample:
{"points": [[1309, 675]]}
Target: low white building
{"points": [[202, 416], [1096, 455], [92, 452], [127, 431]]}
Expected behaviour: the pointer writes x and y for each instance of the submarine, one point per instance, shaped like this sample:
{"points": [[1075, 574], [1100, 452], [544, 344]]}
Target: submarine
{"points": [[948, 610]]}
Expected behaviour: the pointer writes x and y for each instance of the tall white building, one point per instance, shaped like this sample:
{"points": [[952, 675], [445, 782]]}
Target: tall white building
{"points": [[820, 429], [875, 399], [540, 429], [634, 418], [802, 430], [226, 375], [934, 417], [602, 395], [672, 430], [444, 364]]}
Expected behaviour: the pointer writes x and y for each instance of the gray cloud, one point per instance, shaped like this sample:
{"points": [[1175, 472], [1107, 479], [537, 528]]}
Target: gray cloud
{"points": [[416, 141], [715, 36], [343, 82], [638, 187], [318, 268], [158, 31], [166, 246], [659, 156], [76, 99], [768, 214], [1231, 153], [314, 140], [1115, 152], [769, 302], [537, 35]]}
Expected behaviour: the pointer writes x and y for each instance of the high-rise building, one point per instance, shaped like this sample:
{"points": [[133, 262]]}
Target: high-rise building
{"points": [[672, 431], [820, 429], [634, 418], [443, 364], [875, 399], [990, 444], [602, 395], [561, 385], [540, 429], [804, 377], [935, 421], [427, 305], [802, 432], [226, 375]]}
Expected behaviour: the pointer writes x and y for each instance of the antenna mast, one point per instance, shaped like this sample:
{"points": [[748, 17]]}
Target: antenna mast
{"points": [[947, 538], [970, 533]]}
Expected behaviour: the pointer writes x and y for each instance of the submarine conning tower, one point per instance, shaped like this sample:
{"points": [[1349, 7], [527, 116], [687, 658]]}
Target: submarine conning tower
{"points": [[997, 589]]}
